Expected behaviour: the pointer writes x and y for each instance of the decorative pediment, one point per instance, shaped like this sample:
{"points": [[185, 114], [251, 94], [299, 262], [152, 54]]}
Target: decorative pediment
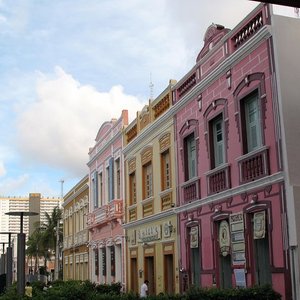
{"points": [[212, 36], [104, 129]]}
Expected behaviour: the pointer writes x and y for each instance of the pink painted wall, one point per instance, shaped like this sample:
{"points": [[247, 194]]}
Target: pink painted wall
{"points": [[257, 61], [108, 145]]}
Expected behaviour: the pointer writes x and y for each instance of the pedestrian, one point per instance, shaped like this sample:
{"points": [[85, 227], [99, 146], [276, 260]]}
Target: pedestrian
{"points": [[144, 289], [28, 290]]}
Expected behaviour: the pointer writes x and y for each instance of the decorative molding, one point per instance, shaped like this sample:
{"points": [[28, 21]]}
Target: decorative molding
{"points": [[235, 191]]}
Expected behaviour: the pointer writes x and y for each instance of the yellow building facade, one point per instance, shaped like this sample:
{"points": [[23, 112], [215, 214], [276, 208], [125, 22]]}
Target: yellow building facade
{"points": [[151, 224], [76, 236]]}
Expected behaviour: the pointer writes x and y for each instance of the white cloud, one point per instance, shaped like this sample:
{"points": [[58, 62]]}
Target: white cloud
{"points": [[8, 186], [60, 126], [191, 18]]}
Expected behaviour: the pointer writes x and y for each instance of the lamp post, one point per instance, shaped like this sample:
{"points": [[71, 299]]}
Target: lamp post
{"points": [[2, 259], [57, 248], [9, 260], [21, 250]]}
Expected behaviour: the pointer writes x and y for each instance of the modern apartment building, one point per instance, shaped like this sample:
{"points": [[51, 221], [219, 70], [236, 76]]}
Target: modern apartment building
{"points": [[236, 127], [75, 232], [34, 202], [151, 224], [106, 207]]}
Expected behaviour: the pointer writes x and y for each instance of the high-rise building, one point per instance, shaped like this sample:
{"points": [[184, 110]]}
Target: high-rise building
{"points": [[34, 202]]}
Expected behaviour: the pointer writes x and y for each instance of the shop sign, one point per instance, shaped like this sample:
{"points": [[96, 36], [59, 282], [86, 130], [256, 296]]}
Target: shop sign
{"points": [[148, 234]]}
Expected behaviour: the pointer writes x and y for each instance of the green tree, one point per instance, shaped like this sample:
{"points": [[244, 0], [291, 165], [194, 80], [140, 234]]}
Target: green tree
{"points": [[42, 243], [35, 247], [49, 228]]}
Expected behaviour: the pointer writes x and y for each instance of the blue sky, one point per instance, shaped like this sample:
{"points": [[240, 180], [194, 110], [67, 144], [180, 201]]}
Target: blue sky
{"points": [[67, 66]]}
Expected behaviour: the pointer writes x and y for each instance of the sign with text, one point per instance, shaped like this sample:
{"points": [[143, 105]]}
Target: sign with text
{"points": [[148, 234]]}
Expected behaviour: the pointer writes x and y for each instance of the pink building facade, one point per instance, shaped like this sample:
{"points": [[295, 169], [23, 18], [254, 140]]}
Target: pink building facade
{"points": [[231, 201], [106, 209]]}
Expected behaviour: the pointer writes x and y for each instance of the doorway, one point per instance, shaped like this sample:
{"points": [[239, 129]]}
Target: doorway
{"points": [[225, 272], [169, 274], [261, 249], [149, 274], [134, 275]]}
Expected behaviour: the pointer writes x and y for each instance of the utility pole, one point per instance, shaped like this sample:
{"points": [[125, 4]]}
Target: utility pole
{"points": [[56, 270]]}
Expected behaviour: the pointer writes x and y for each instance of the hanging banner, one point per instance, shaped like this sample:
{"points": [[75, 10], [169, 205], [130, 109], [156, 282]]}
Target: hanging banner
{"points": [[224, 238], [194, 237], [259, 225]]}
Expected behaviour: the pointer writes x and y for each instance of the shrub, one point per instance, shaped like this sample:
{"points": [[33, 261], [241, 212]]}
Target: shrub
{"points": [[81, 290], [255, 293], [114, 288]]}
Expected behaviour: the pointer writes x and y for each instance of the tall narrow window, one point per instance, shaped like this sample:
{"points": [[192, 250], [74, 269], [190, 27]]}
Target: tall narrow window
{"points": [[71, 225], [104, 261], [111, 179], [190, 157], [132, 188], [165, 170], [101, 189], [96, 262], [252, 123], [118, 179], [107, 186], [112, 261], [217, 142], [147, 178], [95, 189]]}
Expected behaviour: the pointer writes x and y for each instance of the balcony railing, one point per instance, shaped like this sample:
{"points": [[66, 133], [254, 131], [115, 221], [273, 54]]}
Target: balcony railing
{"points": [[218, 180], [187, 85], [191, 190], [248, 30], [113, 210], [254, 165]]}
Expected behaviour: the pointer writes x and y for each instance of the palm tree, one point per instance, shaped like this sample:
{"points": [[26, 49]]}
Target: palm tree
{"points": [[43, 240], [35, 247], [49, 228]]}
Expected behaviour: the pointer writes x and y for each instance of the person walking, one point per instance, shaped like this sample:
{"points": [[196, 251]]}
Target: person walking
{"points": [[28, 290], [144, 289]]}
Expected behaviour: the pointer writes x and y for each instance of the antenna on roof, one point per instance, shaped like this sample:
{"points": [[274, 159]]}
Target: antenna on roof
{"points": [[151, 85]]}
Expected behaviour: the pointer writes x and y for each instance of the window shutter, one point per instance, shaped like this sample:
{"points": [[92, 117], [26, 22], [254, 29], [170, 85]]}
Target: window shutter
{"points": [[218, 142], [253, 124], [111, 181], [95, 189]]}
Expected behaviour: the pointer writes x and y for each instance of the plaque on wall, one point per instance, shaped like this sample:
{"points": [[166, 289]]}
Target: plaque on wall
{"points": [[224, 238], [166, 229], [194, 237], [240, 277], [238, 245], [259, 225], [133, 237]]}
